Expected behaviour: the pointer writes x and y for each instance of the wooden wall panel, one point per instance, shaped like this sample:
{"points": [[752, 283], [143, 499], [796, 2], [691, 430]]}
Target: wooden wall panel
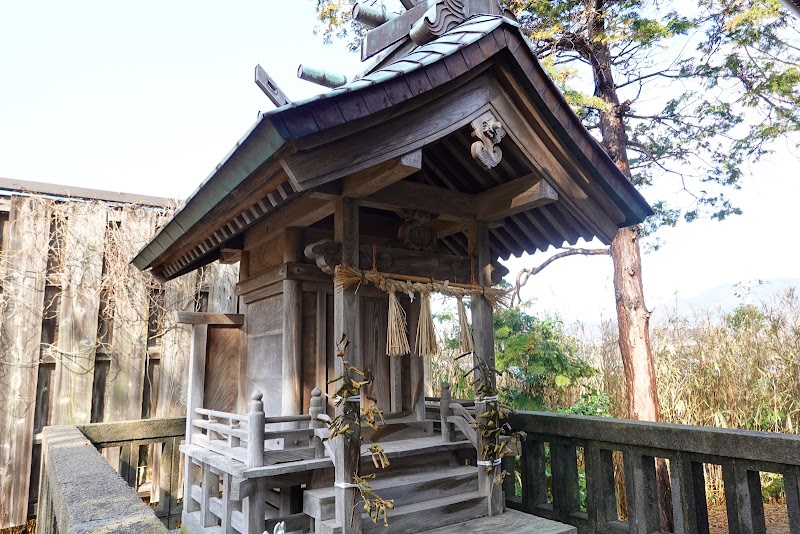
{"points": [[263, 365], [221, 281], [222, 369], [80, 303], [20, 332], [374, 319], [129, 346], [175, 344]]}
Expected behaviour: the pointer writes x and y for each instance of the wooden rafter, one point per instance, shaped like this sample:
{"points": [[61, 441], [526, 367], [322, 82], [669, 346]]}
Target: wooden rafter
{"points": [[522, 194]]}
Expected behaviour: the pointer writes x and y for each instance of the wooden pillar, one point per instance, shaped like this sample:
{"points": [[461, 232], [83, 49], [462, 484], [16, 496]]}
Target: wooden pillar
{"points": [[321, 344], [291, 395], [483, 333], [346, 321], [197, 380], [482, 326], [448, 432], [197, 375]]}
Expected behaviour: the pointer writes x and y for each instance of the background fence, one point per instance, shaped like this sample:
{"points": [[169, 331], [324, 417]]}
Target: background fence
{"points": [[85, 337]]}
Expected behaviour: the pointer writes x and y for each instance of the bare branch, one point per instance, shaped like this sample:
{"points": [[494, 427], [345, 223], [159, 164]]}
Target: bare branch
{"points": [[524, 274]]}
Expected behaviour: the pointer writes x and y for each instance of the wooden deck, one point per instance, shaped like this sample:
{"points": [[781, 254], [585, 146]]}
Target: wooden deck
{"points": [[510, 521]]}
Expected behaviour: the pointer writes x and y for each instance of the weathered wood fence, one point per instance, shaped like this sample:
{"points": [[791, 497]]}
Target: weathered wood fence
{"points": [[561, 449], [84, 337]]}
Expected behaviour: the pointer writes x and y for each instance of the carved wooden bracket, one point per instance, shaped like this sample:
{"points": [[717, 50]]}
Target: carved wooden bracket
{"points": [[416, 232], [489, 131], [438, 20], [327, 254]]}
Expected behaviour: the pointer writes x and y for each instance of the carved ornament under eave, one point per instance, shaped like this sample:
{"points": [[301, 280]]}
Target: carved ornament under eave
{"points": [[416, 232], [489, 131]]}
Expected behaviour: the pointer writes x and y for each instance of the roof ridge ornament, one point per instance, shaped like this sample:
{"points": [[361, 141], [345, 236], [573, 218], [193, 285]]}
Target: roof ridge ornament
{"points": [[489, 131], [438, 20]]}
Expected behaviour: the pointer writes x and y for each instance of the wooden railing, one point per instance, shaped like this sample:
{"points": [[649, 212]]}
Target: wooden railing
{"points": [[159, 439], [226, 447], [559, 449]]}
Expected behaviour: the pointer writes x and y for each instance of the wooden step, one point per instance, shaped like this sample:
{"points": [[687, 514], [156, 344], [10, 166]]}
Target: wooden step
{"points": [[414, 518], [509, 521], [404, 489], [392, 431]]}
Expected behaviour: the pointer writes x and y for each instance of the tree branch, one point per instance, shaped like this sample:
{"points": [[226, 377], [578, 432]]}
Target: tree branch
{"points": [[524, 274]]}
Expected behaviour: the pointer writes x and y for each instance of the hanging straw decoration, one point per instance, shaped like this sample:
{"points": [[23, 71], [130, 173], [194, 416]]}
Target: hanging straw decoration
{"points": [[464, 329], [346, 276], [425, 344], [397, 332]]}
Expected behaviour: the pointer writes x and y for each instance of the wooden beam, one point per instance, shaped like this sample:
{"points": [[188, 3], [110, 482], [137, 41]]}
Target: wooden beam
{"points": [[516, 196], [448, 204], [368, 181], [521, 194], [216, 319]]}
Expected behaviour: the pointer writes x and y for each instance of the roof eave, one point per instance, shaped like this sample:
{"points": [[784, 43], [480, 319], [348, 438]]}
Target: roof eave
{"points": [[256, 147]]}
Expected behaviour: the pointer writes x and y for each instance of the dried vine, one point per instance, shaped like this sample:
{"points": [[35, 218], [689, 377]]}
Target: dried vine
{"points": [[492, 425], [351, 415]]}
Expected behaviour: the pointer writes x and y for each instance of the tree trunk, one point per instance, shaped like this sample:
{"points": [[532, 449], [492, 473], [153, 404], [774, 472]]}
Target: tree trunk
{"points": [[634, 327], [633, 318]]}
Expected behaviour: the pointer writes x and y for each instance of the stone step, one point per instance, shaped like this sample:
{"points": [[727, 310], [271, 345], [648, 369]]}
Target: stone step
{"points": [[404, 489], [416, 517]]}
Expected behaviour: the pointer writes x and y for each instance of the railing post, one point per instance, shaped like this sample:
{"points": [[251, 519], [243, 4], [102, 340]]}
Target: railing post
{"points": [[743, 499], [448, 430], [534, 475], [791, 477], [690, 508], [255, 431], [256, 502], [509, 466], [564, 469], [316, 408], [642, 491], [234, 441], [601, 499]]}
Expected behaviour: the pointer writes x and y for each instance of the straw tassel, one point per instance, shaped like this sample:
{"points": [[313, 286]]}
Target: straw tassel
{"points": [[426, 333], [464, 329], [397, 331]]}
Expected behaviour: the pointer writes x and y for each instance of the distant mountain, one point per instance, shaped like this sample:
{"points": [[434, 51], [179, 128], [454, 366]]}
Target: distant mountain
{"points": [[728, 296]]}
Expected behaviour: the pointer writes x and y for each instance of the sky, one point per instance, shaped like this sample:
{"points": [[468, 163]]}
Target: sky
{"points": [[147, 97]]}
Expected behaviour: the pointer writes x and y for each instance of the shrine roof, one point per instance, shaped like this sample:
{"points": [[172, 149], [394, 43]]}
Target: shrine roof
{"points": [[249, 185]]}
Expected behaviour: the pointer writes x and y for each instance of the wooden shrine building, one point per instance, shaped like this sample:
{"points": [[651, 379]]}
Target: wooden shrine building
{"points": [[452, 150]]}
